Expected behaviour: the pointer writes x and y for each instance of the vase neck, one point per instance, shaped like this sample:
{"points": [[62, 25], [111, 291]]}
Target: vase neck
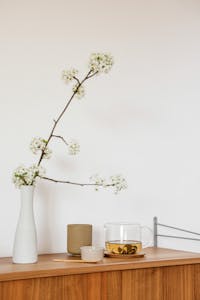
{"points": [[26, 195], [27, 190]]}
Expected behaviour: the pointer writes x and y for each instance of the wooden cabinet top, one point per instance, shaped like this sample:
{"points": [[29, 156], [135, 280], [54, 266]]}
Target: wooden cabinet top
{"points": [[46, 267]]}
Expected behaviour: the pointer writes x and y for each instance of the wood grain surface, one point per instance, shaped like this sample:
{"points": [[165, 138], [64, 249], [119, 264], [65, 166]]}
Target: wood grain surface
{"points": [[163, 274]]}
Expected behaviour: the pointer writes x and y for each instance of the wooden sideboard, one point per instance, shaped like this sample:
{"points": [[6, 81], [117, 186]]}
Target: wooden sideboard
{"points": [[162, 274]]}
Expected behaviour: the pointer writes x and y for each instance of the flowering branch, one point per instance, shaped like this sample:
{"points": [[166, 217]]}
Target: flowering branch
{"points": [[90, 74], [75, 183], [117, 182], [99, 63], [73, 146]]}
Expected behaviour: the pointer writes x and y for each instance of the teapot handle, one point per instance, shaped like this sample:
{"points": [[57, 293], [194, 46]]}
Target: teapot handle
{"points": [[146, 243]]}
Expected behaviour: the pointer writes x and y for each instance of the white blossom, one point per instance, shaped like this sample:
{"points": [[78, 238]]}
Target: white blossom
{"points": [[100, 62], [80, 92], [68, 75], [73, 147], [98, 181], [39, 144], [118, 182], [27, 176]]}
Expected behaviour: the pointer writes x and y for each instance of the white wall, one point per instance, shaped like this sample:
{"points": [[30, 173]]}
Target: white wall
{"points": [[141, 120]]}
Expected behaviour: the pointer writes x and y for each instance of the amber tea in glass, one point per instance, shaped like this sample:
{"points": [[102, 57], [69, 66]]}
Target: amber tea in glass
{"points": [[123, 247]]}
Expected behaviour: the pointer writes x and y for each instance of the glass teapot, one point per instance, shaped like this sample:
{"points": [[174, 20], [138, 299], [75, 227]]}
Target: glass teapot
{"points": [[127, 238]]}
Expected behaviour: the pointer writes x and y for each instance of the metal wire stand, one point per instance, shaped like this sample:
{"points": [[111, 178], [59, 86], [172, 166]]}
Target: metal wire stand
{"points": [[156, 234]]}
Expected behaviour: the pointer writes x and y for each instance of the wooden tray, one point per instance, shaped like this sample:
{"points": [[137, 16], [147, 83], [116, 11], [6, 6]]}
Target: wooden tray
{"points": [[137, 255]]}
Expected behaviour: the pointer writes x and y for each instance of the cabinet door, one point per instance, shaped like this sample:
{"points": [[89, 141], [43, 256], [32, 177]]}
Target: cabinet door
{"points": [[141, 284], [162, 283], [93, 286], [111, 286], [178, 283]]}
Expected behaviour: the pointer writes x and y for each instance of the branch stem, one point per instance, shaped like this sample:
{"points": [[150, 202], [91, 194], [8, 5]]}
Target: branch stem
{"points": [[60, 137], [88, 75], [75, 183]]}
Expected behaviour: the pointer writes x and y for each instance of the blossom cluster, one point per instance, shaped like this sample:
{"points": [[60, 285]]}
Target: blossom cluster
{"points": [[39, 144], [73, 147], [69, 75], [116, 181], [27, 176], [100, 62], [98, 181]]}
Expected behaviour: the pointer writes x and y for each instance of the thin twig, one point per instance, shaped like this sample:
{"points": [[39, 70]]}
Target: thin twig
{"points": [[92, 75], [60, 137], [76, 79]]}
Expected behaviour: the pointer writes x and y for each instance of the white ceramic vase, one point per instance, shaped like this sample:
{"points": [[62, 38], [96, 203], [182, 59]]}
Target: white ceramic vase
{"points": [[25, 243]]}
